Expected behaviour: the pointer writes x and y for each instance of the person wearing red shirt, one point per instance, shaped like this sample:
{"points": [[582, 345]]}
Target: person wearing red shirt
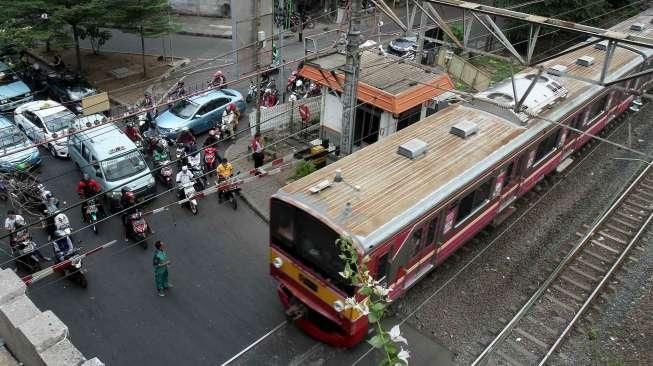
{"points": [[87, 188]]}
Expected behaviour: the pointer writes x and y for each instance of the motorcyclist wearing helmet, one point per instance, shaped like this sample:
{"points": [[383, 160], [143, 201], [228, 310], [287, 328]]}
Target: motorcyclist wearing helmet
{"points": [[87, 188], [127, 202], [230, 119], [178, 91], [212, 140], [268, 99], [160, 152], [183, 177], [49, 207], [132, 132], [187, 139], [219, 79]]}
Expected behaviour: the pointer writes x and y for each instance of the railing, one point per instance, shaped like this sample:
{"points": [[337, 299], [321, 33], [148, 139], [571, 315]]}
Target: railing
{"points": [[463, 71]]}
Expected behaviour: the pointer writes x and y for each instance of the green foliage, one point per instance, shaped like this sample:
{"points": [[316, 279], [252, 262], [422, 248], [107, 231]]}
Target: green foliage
{"points": [[96, 37], [499, 69], [304, 168]]}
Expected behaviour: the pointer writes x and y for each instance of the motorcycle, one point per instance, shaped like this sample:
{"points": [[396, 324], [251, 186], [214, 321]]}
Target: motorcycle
{"points": [[195, 167], [24, 250], [92, 213], [189, 191], [306, 22], [137, 228], [209, 158], [229, 190], [251, 92], [164, 169], [73, 270], [180, 153], [290, 85]]}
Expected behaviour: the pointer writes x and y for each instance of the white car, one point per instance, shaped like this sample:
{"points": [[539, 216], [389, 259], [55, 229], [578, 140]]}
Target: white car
{"points": [[44, 120]]}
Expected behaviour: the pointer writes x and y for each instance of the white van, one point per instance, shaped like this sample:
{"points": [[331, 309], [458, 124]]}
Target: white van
{"points": [[107, 155]]}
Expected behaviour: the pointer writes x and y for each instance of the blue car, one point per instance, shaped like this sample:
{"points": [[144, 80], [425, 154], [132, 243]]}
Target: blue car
{"points": [[13, 91], [25, 156], [200, 113]]}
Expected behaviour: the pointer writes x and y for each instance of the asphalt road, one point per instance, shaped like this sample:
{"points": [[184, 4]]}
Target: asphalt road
{"points": [[222, 300]]}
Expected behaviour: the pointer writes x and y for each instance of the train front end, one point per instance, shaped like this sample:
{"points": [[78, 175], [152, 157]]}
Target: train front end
{"points": [[304, 260]]}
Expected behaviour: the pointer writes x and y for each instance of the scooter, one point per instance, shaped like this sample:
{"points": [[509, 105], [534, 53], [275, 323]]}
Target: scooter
{"points": [[209, 159], [65, 249], [251, 92], [228, 126], [24, 250], [189, 192], [195, 166], [180, 152], [137, 228], [229, 191], [91, 213], [73, 270]]}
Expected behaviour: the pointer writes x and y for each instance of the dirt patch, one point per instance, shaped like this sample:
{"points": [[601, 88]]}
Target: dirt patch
{"points": [[98, 71]]}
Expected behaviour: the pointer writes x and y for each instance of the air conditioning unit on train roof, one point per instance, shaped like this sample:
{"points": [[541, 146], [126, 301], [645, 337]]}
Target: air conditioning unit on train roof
{"points": [[412, 149], [585, 61], [464, 129], [603, 45], [557, 70], [637, 27]]}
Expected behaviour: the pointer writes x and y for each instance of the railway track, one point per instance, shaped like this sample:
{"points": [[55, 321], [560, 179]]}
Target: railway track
{"points": [[537, 330]]}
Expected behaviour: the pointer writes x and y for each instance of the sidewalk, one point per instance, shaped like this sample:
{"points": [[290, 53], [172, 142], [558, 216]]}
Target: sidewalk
{"points": [[257, 193]]}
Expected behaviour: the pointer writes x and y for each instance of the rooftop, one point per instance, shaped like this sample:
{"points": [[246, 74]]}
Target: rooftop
{"points": [[386, 81]]}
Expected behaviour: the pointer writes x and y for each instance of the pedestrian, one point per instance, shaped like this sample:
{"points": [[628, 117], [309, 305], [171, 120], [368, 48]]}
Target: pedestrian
{"points": [[257, 151], [160, 263], [58, 63]]}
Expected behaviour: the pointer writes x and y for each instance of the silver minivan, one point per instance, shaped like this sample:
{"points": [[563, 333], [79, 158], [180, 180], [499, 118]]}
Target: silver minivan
{"points": [[113, 160]]}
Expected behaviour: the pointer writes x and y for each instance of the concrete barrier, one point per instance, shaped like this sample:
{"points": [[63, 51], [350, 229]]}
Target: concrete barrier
{"points": [[34, 337]]}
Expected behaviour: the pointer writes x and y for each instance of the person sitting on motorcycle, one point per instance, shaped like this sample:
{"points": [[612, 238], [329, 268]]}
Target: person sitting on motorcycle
{"points": [[186, 139], [230, 119], [178, 91], [212, 140], [13, 219], [50, 207], [160, 152], [268, 99], [299, 87], [87, 188], [20, 230], [62, 247], [218, 79], [132, 132], [127, 202], [225, 171], [183, 177]]}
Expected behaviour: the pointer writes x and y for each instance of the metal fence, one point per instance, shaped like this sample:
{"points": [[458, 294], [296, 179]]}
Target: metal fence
{"points": [[463, 71], [284, 120]]}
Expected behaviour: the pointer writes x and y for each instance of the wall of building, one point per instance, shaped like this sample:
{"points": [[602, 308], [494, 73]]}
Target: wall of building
{"points": [[331, 116], [211, 8], [34, 337]]}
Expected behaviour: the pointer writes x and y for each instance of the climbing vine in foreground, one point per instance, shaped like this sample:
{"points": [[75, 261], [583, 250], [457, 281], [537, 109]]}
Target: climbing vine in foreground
{"points": [[374, 305]]}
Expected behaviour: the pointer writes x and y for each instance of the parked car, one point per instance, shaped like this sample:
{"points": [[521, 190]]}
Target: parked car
{"points": [[113, 160], [42, 120], [199, 113], [69, 89], [13, 91], [12, 139], [407, 47]]}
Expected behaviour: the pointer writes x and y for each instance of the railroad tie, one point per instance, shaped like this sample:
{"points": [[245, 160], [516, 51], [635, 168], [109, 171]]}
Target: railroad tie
{"points": [[591, 265], [583, 273], [531, 337], [508, 360], [618, 229], [541, 325], [559, 303], [609, 249], [613, 237], [628, 218], [598, 256], [576, 283], [568, 293]]}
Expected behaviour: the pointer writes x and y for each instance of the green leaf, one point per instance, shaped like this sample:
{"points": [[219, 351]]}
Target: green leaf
{"points": [[377, 341], [372, 317], [377, 307], [390, 349]]}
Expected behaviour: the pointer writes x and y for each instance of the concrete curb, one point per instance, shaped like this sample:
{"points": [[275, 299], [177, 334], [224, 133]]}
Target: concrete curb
{"points": [[34, 337], [200, 34], [260, 213]]}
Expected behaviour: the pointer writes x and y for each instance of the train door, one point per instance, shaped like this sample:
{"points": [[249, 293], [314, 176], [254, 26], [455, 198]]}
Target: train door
{"points": [[422, 248]]}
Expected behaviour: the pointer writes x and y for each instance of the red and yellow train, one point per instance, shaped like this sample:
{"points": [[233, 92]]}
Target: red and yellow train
{"points": [[471, 161]]}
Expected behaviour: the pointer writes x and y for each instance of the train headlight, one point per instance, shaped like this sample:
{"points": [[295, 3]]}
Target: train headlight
{"points": [[277, 262], [338, 306]]}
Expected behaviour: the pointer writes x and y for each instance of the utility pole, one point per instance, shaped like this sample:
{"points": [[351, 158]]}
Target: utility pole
{"points": [[257, 22], [420, 34], [352, 69]]}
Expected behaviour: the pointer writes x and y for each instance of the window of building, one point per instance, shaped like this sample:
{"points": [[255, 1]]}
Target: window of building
{"points": [[596, 109], [474, 200], [546, 146]]}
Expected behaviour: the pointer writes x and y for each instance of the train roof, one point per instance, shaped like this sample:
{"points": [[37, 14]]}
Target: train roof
{"points": [[395, 191]]}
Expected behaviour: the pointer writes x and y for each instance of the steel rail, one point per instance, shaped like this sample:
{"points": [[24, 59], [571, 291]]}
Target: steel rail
{"points": [[563, 264]]}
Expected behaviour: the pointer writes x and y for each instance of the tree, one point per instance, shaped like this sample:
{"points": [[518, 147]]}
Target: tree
{"points": [[147, 18], [96, 36]]}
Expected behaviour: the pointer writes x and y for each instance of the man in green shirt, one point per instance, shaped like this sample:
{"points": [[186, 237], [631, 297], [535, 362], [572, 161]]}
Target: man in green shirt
{"points": [[160, 264]]}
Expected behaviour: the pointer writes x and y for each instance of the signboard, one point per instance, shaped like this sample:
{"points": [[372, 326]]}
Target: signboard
{"points": [[96, 103]]}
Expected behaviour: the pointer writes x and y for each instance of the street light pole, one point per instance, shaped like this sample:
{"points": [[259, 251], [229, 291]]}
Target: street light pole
{"points": [[352, 69]]}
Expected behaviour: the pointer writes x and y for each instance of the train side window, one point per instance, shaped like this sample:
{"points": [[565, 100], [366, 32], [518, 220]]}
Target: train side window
{"points": [[416, 240], [546, 146], [473, 201], [432, 231], [596, 109], [509, 170], [383, 267]]}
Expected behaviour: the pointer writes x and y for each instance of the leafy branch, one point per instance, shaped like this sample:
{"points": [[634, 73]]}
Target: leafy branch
{"points": [[373, 304]]}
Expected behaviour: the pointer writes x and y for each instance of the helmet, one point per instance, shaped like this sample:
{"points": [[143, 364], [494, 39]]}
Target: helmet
{"points": [[129, 196], [125, 190], [268, 91], [299, 83], [180, 83], [184, 168], [211, 132], [162, 143], [85, 177], [231, 107], [185, 129], [217, 74]]}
